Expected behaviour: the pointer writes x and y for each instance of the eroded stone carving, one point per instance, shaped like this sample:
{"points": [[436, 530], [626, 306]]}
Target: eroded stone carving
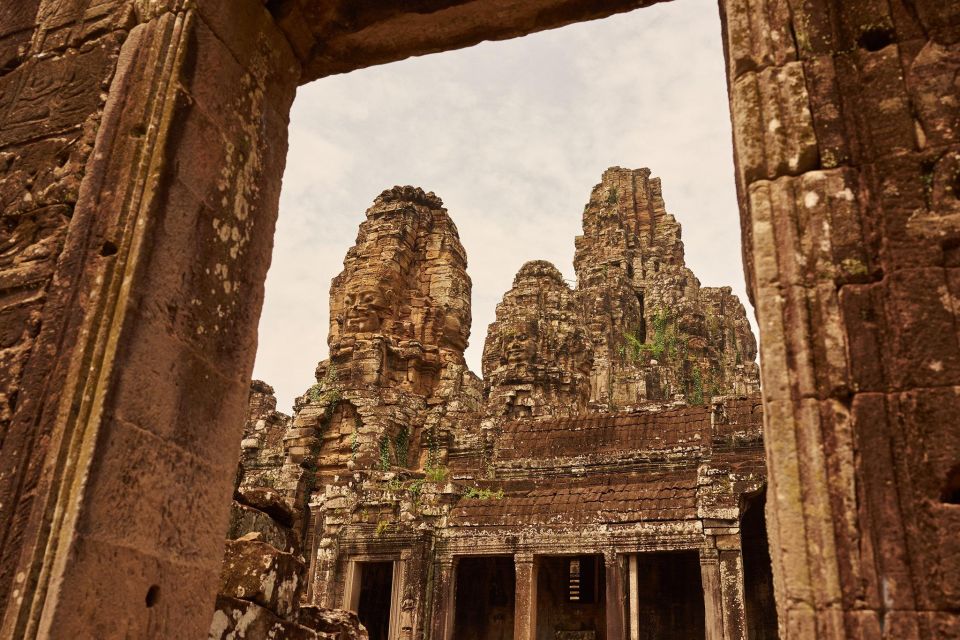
{"points": [[859, 95], [657, 334], [399, 322], [537, 356], [396, 383], [262, 448], [399, 450], [638, 328]]}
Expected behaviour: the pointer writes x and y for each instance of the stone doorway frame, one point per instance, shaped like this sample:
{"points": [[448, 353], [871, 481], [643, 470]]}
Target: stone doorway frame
{"points": [[354, 583], [130, 382]]}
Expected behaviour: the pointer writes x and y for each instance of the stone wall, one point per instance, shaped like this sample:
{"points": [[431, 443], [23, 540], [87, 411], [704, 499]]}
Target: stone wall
{"points": [[138, 208], [845, 131], [262, 448], [52, 104]]}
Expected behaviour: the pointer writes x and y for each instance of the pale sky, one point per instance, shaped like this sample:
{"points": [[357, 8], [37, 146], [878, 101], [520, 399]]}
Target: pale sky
{"points": [[512, 136]]}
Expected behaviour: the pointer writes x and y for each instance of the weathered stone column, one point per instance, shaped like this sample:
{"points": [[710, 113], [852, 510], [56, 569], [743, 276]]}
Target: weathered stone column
{"points": [[712, 592], [845, 135], [721, 571], [525, 609], [731, 586], [634, 596], [444, 599], [615, 595], [119, 461], [407, 610]]}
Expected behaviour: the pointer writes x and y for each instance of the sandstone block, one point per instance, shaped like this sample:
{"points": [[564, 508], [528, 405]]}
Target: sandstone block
{"points": [[258, 572], [236, 619], [773, 126], [758, 35], [244, 520], [342, 625], [270, 502]]}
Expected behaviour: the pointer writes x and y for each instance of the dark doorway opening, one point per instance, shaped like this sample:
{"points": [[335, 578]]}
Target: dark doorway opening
{"points": [[376, 587], [485, 596], [571, 598], [761, 610], [670, 604]]}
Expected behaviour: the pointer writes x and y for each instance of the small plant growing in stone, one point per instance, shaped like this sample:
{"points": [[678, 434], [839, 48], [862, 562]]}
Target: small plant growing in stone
{"points": [[696, 387], [483, 494], [634, 346], [665, 341], [437, 474], [612, 197], [385, 453], [326, 392], [355, 442], [315, 392], [382, 527], [401, 445], [415, 488]]}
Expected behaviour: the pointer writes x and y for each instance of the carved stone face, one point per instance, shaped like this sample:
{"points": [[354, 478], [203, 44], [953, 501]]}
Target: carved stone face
{"points": [[520, 343], [365, 309]]}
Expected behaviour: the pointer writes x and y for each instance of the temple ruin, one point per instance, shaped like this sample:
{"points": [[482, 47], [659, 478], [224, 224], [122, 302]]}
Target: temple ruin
{"points": [[142, 145], [595, 485]]}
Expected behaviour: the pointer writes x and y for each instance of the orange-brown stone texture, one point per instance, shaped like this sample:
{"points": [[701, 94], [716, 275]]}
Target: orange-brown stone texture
{"points": [[141, 152], [538, 354], [400, 453], [657, 333]]}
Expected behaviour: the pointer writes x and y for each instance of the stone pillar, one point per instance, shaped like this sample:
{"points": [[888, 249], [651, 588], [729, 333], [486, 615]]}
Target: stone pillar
{"points": [[615, 595], [120, 459], [712, 592], [845, 135], [444, 599], [311, 551], [731, 587], [525, 609], [721, 571], [396, 597], [407, 610], [634, 596], [350, 598]]}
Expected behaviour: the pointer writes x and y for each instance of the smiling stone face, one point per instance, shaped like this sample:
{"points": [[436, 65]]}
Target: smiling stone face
{"points": [[537, 358], [520, 342], [366, 308]]}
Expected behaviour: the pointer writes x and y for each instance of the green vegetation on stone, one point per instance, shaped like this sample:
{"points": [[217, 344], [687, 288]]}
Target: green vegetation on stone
{"points": [[401, 446], [385, 453], [483, 494], [664, 342], [437, 474]]}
